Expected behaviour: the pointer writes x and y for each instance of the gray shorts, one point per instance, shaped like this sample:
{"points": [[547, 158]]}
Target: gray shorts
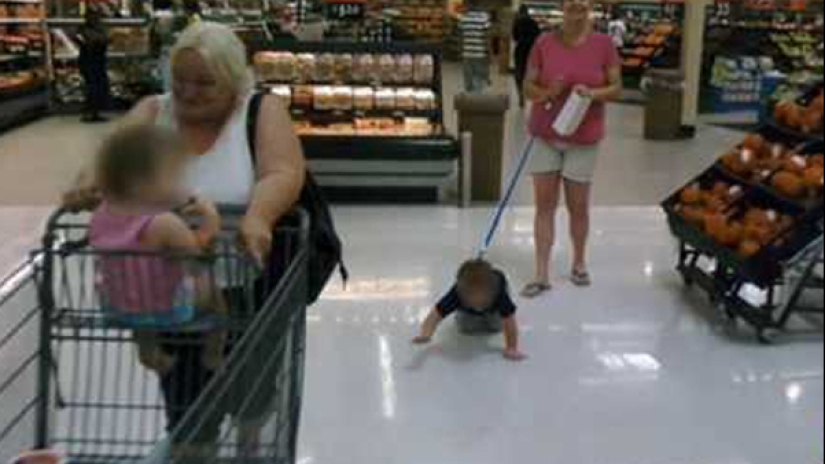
{"points": [[573, 162], [479, 324]]}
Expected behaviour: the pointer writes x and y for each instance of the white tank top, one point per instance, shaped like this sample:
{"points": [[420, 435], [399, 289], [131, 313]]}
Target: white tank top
{"points": [[225, 174]]}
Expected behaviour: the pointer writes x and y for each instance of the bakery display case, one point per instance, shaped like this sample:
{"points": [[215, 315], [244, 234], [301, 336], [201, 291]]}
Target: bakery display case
{"points": [[370, 115], [23, 61]]}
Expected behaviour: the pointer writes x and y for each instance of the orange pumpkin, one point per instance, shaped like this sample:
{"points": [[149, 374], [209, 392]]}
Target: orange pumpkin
{"points": [[749, 249], [817, 160], [819, 102], [754, 142], [789, 184], [814, 177], [732, 235], [795, 165], [716, 225], [812, 121], [780, 112], [795, 117], [691, 195], [694, 215]]}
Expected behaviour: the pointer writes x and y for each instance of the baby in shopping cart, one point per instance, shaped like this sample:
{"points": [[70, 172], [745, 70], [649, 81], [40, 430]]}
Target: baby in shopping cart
{"points": [[149, 275], [481, 299]]}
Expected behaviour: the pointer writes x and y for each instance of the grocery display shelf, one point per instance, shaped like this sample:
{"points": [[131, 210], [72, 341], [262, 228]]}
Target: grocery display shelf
{"points": [[4, 58], [110, 55], [356, 167], [19, 21], [20, 106], [117, 22], [21, 2]]}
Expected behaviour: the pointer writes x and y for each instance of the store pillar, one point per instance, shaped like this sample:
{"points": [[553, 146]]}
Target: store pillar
{"points": [[483, 116]]}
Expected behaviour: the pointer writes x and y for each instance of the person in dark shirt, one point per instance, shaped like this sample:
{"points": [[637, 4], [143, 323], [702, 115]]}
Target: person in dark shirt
{"points": [[526, 31], [93, 64], [482, 304]]}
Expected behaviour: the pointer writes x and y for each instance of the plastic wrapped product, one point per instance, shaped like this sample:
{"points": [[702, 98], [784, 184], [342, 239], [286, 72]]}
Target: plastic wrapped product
{"points": [[305, 65], [275, 66], [324, 98], [364, 98], [343, 68], [425, 100], [325, 68], [365, 69], [342, 98], [284, 94], [424, 69], [385, 99], [404, 69], [387, 68], [405, 99], [303, 96]]}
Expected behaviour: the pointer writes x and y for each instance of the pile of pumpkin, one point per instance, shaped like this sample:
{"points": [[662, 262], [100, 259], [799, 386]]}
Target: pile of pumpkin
{"points": [[793, 175], [808, 120], [711, 210]]}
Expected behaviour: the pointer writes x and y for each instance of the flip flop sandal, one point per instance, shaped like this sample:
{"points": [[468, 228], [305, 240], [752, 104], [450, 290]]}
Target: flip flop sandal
{"points": [[581, 279], [535, 290]]}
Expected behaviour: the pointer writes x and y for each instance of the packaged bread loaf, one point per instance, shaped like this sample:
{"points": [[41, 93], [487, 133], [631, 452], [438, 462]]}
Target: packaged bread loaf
{"points": [[405, 99], [425, 100], [275, 66], [302, 96], [386, 68], [365, 69], [404, 69], [323, 98], [325, 68], [342, 98], [343, 68], [364, 98], [385, 99], [305, 67], [424, 69]]}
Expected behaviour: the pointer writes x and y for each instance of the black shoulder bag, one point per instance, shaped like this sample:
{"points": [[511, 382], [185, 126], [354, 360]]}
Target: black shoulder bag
{"points": [[326, 248]]}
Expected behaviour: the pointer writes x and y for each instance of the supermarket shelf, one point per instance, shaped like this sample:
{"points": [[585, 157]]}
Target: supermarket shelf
{"points": [[110, 55], [118, 22], [16, 21], [18, 57], [21, 2], [21, 107]]}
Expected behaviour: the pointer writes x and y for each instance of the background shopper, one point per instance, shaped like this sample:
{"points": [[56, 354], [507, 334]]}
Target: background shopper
{"points": [[526, 31], [93, 63], [475, 49], [574, 60]]}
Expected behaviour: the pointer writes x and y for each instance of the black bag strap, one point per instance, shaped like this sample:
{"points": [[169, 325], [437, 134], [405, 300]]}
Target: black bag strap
{"points": [[253, 116]]}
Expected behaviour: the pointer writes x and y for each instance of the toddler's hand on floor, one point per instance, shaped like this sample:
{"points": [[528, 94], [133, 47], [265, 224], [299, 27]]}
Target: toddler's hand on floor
{"points": [[512, 354], [422, 340]]}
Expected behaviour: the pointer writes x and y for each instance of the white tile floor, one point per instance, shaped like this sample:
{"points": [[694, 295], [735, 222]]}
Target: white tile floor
{"points": [[632, 371]]}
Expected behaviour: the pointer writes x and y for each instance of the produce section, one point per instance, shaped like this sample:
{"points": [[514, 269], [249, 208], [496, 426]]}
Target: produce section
{"points": [[370, 115], [748, 221]]}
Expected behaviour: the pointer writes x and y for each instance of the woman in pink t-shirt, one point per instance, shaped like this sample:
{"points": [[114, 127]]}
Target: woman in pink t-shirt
{"points": [[573, 60]]}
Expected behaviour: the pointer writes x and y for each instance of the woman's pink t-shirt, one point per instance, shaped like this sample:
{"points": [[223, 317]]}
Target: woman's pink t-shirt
{"points": [[588, 65]]}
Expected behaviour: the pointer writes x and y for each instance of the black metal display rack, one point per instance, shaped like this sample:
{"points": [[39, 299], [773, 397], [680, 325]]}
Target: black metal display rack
{"points": [[786, 272], [376, 168]]}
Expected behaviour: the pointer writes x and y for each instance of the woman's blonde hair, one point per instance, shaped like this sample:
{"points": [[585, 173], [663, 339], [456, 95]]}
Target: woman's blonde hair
{"points": [[222, 50]]}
